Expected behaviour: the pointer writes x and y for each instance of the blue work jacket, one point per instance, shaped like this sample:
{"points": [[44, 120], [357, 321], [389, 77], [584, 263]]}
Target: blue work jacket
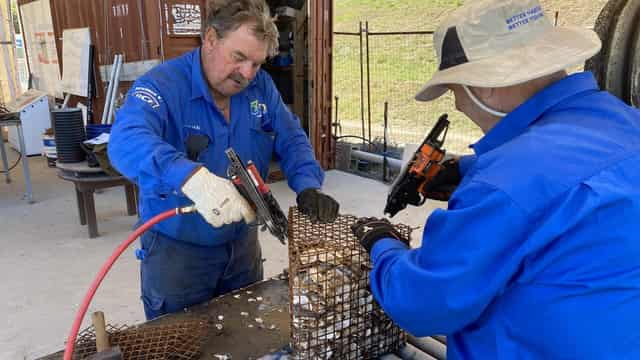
{"points": [[538, 253], [172, 102]]}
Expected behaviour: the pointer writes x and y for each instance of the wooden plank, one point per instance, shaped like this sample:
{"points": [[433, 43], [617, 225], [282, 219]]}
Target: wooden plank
{"points": [[153, 23]]}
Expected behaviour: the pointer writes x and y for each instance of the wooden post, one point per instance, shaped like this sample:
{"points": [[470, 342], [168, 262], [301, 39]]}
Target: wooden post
{"points": [[300, 47], [321, 77], [102, 338]]}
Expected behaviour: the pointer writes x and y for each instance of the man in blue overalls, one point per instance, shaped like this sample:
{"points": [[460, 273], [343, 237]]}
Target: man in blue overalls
{"points": [[169, 138], [538, 253]]}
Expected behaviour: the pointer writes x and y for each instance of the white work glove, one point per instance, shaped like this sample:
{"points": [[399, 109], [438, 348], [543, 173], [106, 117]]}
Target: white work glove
{"points": [[217, 199]]}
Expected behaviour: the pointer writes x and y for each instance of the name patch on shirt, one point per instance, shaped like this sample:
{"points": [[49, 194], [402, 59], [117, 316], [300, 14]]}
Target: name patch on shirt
{"points": [[258, 109], [147, 95]]}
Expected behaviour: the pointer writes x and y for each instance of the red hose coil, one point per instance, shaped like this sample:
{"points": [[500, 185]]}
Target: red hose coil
{"points": [[73, 334]]}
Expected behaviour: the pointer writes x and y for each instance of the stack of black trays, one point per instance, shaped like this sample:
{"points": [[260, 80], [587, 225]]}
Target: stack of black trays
{"points": [[70, 132]]}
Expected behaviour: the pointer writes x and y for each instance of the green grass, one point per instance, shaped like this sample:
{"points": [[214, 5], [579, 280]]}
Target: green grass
{"points": [[389, 15], [399, 66]]}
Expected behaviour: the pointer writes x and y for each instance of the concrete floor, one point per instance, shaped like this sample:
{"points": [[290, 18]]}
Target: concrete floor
{"points": [[47, 260]]}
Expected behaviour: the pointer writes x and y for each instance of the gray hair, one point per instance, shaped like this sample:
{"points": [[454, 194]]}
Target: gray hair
{"points": [[226, 16]]}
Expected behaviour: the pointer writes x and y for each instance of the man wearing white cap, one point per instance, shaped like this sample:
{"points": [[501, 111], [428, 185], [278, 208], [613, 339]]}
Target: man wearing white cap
{"points": [[538, 253]]}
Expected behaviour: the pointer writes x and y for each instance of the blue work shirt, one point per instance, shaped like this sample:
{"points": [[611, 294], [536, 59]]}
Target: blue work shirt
{"points": [[538, 253], [172, 102]]}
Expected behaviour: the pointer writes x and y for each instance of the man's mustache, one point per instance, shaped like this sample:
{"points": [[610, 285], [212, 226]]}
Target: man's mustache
{"points": [[239, 79]]}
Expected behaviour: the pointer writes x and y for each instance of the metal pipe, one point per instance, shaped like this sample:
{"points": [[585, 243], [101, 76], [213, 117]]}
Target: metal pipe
{"points": [[65, 102], [114, 91], [410, 352], [378, 159], [366, 29], [361, 84], [429, 345], [107, 105], [336, 124], [338, 138], [116, 88], [345, 33], [385, 161], [107, 96], [384, 33], [25, 164]]}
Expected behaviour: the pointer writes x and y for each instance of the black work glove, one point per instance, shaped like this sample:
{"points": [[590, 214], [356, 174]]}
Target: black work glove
{"points": [[317, 205], [369, 230], [445, 182]]}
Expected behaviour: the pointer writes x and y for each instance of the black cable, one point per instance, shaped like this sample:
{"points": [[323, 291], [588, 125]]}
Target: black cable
{"points": [[336, 138], [4, 110], [15, 164]]}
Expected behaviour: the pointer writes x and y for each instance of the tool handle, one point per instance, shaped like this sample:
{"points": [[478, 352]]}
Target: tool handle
{"points": [[257, 179], [439, 132], [102, 338]]}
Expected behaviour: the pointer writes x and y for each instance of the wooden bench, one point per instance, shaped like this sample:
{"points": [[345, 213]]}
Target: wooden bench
{"points": [[86, 181]]}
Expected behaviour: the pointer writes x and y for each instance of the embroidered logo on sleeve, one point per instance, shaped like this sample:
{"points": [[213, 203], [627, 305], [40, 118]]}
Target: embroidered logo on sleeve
{"points": [[147, 95]]}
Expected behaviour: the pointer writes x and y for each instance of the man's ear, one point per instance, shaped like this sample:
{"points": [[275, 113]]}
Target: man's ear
{"points": [[210, 38]]}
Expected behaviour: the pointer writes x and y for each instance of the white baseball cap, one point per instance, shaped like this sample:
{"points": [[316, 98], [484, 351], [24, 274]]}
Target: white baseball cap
{"points": [[498, 43]]}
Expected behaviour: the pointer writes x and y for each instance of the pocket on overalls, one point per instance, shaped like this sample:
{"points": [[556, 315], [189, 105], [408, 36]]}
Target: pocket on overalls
{"points": [[246, 258], [148, 242], [154, 305], [263, 143]]}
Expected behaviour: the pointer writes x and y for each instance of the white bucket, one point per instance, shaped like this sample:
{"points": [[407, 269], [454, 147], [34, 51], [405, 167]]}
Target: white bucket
{"points": [[49, 148]]}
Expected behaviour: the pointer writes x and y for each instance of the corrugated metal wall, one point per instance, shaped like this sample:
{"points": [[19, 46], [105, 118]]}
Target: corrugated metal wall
{"points": [[139, 29]]}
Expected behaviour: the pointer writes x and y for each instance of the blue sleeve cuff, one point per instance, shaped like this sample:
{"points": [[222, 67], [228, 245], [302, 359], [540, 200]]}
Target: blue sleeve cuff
{"points": [[305, 177], [465, 163], [307, 183], [178, 172], [384, 245]]}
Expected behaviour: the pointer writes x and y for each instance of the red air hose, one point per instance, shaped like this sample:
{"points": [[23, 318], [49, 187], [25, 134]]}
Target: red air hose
{"points": [[71, 340]]}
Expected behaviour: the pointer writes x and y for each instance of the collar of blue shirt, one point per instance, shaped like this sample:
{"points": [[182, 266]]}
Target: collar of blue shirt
{"points": [[531, 110]]}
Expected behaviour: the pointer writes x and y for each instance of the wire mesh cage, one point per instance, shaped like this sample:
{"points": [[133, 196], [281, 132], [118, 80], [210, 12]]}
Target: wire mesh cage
{"points": [[178, 340], [333, 314]]}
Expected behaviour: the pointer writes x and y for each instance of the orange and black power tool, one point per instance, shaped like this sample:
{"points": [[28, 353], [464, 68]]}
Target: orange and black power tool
{"points": [[409, 186]]}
